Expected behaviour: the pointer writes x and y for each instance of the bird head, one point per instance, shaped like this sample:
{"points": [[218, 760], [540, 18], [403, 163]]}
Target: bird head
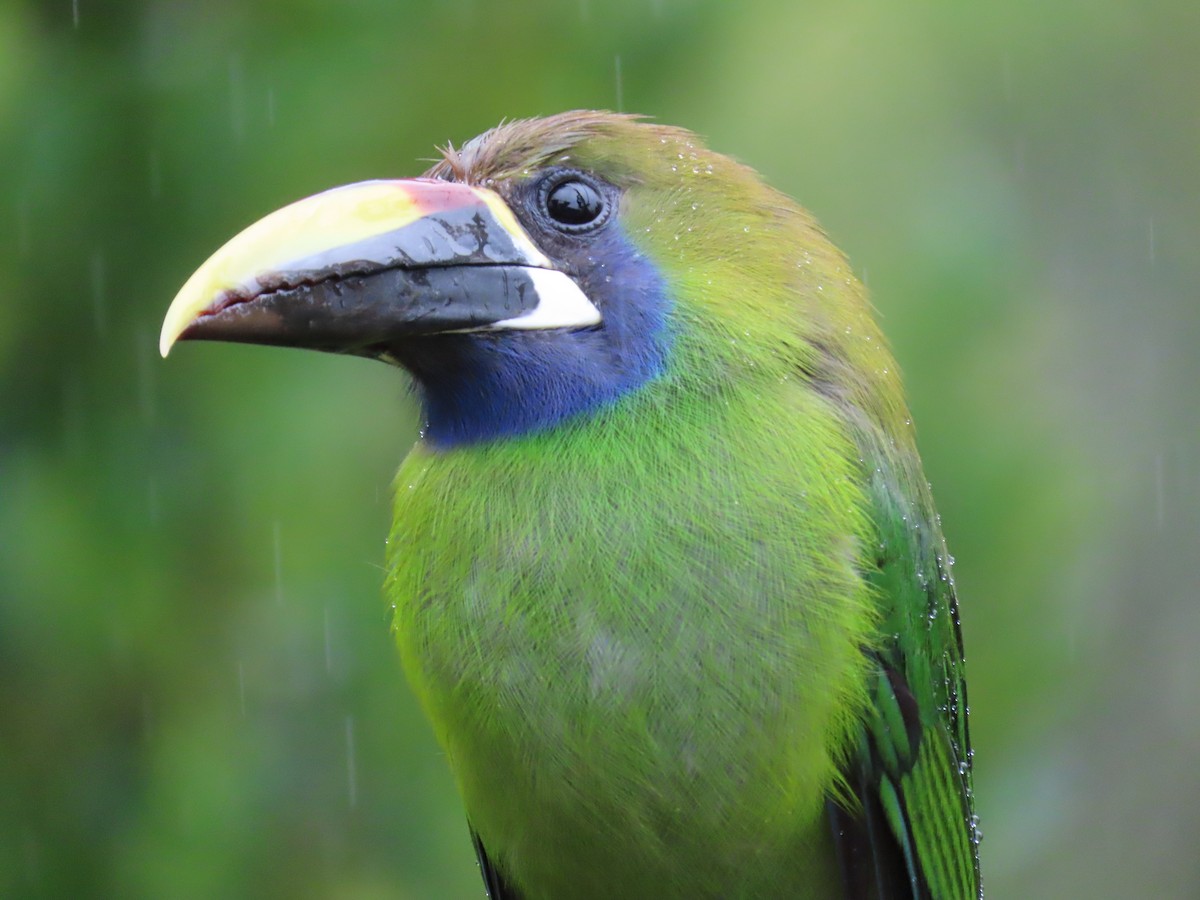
{"points": [[547, 269]]}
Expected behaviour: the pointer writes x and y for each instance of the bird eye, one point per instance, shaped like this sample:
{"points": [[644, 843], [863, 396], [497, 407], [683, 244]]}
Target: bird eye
{"points": [[574, 204]]}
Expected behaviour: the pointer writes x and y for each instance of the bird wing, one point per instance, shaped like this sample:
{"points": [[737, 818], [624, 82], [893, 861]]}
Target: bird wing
{"points": [[910, 831], [495, 885]]}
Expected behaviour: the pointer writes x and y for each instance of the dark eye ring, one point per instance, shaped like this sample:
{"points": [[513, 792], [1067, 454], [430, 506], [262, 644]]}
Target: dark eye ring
{"points": [[574, 204]]}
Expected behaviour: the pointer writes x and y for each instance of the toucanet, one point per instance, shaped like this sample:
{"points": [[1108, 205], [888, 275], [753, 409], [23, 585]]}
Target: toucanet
{"points": [[665, 571]]}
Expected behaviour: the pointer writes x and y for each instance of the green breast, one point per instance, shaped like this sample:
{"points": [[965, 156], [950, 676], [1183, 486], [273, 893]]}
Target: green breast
{"points": [[638, 642]]}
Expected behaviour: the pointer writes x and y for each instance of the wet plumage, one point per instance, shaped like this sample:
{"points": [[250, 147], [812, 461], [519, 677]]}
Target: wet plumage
{"points": [[666, 573]]}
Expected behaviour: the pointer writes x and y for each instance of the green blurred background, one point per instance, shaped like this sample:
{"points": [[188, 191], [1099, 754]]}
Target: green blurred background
{"points": [[198, 696]]}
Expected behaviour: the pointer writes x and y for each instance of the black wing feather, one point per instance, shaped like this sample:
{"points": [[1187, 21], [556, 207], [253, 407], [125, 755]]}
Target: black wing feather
{"points": [[497, 888]]}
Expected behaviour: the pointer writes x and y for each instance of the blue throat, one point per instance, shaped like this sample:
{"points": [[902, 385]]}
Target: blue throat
{"points": [[480, 386]]}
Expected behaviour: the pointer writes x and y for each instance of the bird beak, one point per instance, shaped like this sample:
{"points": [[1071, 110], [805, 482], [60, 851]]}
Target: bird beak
{"points": [[354, 268]]}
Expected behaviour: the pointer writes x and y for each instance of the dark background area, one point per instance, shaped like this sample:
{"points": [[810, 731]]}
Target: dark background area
{"points": [[198, 694]]}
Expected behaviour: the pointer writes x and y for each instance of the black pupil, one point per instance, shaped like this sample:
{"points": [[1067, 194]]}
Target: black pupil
{"points": [[574, 203]]}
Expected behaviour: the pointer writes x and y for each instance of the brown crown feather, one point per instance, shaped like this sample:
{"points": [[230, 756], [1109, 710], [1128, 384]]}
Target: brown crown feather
{"points": [[523, 144]]}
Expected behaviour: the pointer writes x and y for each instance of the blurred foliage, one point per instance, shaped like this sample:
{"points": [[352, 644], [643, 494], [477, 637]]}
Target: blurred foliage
{"points": [[198, 694]]}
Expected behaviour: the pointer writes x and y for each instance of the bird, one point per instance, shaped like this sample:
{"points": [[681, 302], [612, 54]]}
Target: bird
{"points": [[665, 573]]}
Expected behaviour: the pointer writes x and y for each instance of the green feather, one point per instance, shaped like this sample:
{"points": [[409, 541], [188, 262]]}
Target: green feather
{"points": [[651, 639], [690, 634], [695, 637]]}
